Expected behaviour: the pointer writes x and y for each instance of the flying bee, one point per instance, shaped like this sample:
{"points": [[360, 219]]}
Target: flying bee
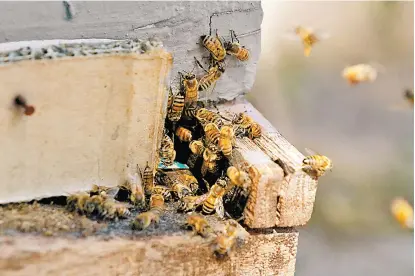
{"points": [[148, 179], [360, 73], [162, 190], [184, 134], [190, 203], [403, 212], [214, 45], [199, 225], [243, 120], [190, 87], [254, 131], [316, 164], [143, 220], [233, 48], [238, 177], [214, 199], [76, 202], [308, 37], [212, 133]]}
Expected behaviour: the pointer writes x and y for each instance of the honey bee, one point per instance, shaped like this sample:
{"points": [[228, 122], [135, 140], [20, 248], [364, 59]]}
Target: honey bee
{"points": [[199, 225], [190, 87], [215, 46], [190, 203], [162, 190], [197, 147], [226, 242], [316, 164], [190, 181], [180, 190], [190, 110], [167, 152], [143, 220], [214, 199], [308, 37], [20, 101], [209, 161], [175, 112], [212, 75], [409, 96], [242, 120], [184, 134], [239, 131], [170, 99], [235, 49], [110, 209], [212, 133], [226, 141], [403, 212], [148, 179], [238, 177], [94, 203], [360, 73], [135, 185], [254, 131], [205, 116], [77, 202]]}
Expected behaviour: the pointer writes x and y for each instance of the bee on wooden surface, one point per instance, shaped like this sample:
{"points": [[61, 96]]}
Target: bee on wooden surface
{"points": [[403, 212], [239, 131], [97, 190], [76, 202], [242, 120], [180, 190], [204, 115], [214, 45], [209, 161], [167, 152], [212, 133], [316, 164], [235, 49], [199, 225], [190, 87], [190, 181], [226, 242], [110, 209], [360, 73], [134, 187], [254, 131], [226, 141], [143, 220], [175, 112], [238, 177], [162, 190], [190, 203], [184, 134], [214, 201], [148, 179], [94, 203], [211, 77]]}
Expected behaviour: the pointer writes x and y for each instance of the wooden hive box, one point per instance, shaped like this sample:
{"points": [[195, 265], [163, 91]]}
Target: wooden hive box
{"points": [[97, 117]]}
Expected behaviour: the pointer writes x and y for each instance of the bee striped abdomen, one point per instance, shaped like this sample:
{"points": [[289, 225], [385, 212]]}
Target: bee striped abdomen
{"points": [[214, 46], [176, 109], [148, 179], [184, 134], [192, 92]]}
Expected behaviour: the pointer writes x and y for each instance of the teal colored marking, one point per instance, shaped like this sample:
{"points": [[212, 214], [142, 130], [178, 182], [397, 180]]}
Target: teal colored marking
{"points": [[176, 166]]}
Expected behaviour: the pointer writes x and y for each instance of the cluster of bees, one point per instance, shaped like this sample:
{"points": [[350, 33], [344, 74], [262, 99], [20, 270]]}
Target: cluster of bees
{"points": [[400, 208], [354, 74]]}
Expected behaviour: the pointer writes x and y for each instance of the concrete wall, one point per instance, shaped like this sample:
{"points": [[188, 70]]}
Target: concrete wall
{"points": [[178, 24]]}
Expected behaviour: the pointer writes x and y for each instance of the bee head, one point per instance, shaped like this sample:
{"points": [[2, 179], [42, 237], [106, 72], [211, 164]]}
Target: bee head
{"points": [[221, 68]]}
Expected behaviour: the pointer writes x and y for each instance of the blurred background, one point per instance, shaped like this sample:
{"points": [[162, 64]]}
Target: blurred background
{"points": [[351, 231]]}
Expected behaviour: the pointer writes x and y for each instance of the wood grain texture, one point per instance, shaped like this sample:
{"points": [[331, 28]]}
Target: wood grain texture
{"points": [[297, 191], [261, 208], [263, 254], [96, 119]]}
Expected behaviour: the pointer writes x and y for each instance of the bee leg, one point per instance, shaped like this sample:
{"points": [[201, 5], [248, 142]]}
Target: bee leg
{"points": [[200, 65]]}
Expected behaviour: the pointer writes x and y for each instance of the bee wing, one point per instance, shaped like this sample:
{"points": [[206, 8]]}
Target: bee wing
{"points": [[220, 210], [112, 192], [322, 35], [378, 66], [311, 152], [289, 36]]}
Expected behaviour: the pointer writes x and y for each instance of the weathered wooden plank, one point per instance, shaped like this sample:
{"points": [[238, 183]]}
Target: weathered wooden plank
{"points": [[96, 118], [270, 253], [296, 193], [261, 208]]}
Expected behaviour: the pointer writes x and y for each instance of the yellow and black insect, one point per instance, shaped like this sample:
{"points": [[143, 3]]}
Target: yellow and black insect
{"points": [[143, 220], [148, 179], [216, 69], [235, 49], [184, 134], [316, 164], [175, 112], [214, 45], [190, 87]]}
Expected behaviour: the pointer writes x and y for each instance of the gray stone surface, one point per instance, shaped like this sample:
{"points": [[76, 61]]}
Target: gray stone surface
{"points": [[178, 24]]}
